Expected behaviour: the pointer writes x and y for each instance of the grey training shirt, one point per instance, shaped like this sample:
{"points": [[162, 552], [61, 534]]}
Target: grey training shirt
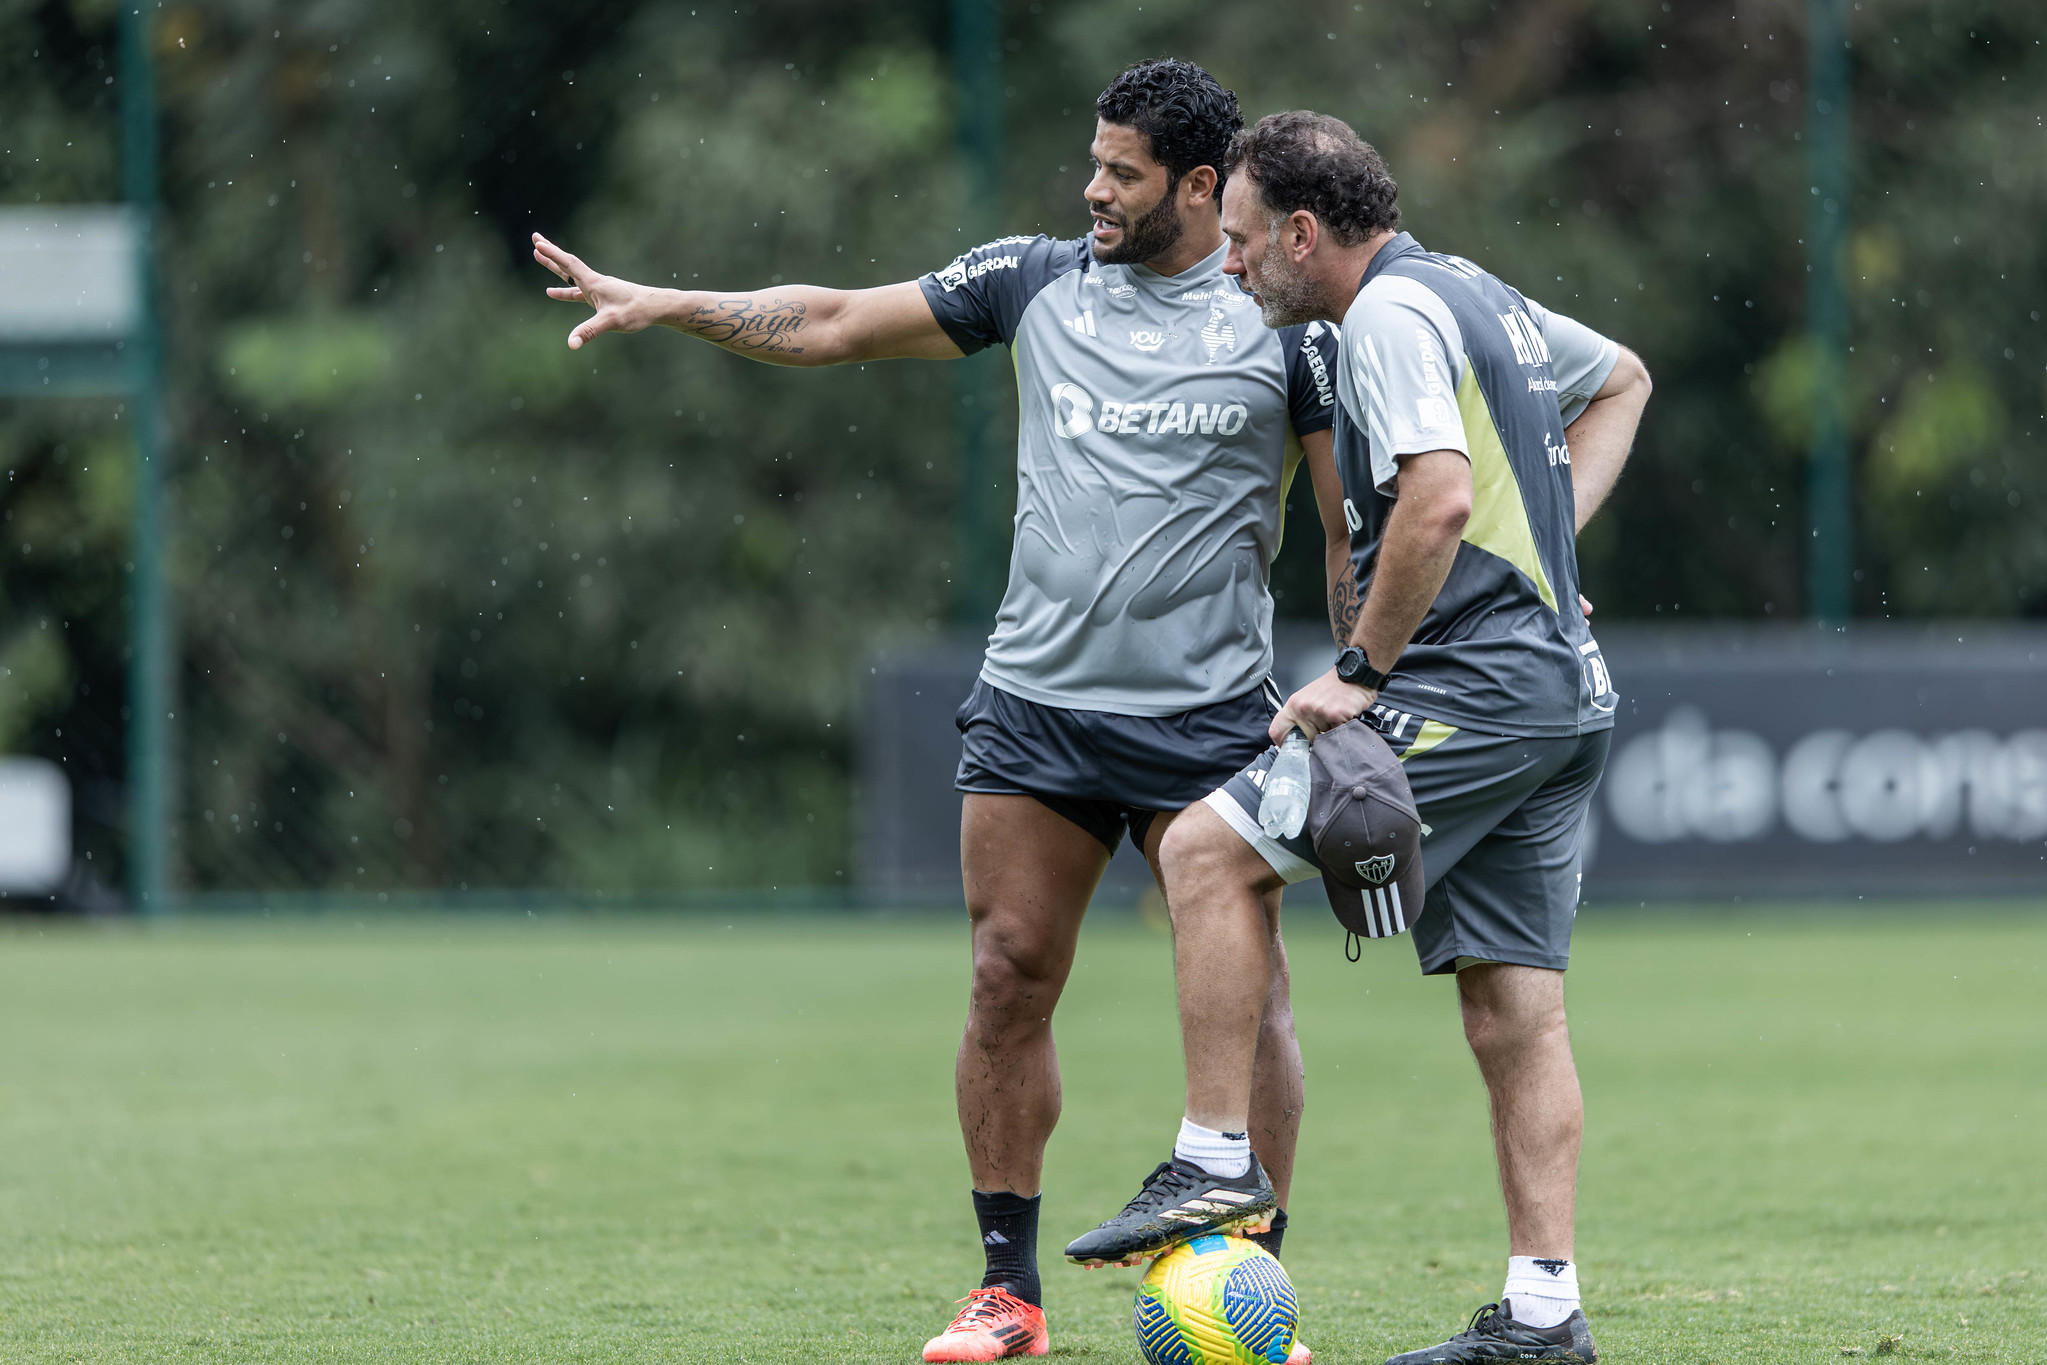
{"points": [[1440, 355], [1152, 464]]}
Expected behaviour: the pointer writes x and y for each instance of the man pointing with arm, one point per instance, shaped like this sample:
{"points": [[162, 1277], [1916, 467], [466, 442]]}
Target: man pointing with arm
{"points": [[1127, 675]]}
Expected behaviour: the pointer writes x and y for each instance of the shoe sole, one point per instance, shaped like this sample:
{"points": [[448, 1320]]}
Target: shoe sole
{"points": [[1234, 1227], [1039, 1347], [1036, 1349]]}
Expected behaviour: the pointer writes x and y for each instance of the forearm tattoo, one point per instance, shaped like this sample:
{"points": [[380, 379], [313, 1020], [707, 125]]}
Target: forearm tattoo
{"points": [[742, 324], [1345, 605]]}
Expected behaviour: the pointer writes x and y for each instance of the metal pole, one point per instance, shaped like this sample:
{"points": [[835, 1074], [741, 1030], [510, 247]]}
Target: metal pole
{"points": [[1830, 587], [977, 91], [149, 644]]}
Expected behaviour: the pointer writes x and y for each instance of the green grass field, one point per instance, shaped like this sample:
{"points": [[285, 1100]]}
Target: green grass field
{"points": [[568, 1140]]}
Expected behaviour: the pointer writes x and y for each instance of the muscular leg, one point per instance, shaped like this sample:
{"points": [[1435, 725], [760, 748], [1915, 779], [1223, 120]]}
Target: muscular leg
{"points": [[1236, 1019], [1029, 875], [1514, 1021]]}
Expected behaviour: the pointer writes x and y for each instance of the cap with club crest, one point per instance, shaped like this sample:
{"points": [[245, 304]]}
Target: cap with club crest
{"points": [[1366, 832]]}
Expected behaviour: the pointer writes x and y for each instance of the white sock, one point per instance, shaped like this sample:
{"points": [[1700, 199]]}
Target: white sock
{"points": [[1541, 1290], [1224, 1154]]}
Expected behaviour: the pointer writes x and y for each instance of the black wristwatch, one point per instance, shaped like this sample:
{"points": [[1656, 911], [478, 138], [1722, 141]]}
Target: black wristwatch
{"points": [[1354, 668]]}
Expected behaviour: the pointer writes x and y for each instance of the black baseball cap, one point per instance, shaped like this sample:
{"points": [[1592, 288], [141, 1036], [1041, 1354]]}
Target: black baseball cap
{"points": [[1366, 832]]}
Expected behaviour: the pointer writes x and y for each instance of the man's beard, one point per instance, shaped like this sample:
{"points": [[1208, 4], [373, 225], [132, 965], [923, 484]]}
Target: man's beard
{"points": [[1286, 297], [1149, 238]]}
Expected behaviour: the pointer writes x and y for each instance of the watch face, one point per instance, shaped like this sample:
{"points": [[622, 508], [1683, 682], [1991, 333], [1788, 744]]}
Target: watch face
{"points": [[1354, 668]]}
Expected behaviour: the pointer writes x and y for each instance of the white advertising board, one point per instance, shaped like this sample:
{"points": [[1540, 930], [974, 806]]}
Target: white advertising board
{"points": [[67, 273], [35, 826]]}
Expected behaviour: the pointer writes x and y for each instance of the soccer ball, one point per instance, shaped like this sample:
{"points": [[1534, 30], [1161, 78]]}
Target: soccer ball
{"points": [[1215, 1301]]}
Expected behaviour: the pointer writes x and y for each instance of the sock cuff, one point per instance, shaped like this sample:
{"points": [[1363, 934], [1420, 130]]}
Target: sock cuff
{"points": [[1549, 1276], [1222, 1154], [1003, 1203], [1189, 1128]]}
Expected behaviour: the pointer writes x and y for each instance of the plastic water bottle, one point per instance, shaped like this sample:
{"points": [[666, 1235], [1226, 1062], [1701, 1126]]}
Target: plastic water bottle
{"points": [[1284, 807]]}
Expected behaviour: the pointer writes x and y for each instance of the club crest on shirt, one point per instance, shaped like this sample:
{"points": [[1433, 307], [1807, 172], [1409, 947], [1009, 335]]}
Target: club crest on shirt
{"points": [[1217, 335]]}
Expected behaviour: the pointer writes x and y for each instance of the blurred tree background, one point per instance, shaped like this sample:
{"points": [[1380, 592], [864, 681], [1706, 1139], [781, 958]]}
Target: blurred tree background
{"points": [[458, 608]]}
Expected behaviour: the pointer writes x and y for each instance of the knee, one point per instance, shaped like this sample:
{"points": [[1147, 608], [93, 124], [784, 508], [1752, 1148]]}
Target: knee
{"points": [[1502, 1023], [1184, 848], [1014, 983], [1485, 1029], [1199, 853]]}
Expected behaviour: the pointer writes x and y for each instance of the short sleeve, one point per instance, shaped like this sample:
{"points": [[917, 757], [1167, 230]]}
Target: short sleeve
{"points": [[1579, 357], [1404, 352], [1311, 359], [979, 299]]}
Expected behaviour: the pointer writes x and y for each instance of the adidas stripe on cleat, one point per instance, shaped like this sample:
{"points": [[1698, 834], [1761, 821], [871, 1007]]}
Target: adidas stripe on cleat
{"points": [[1180, 1201], [994, 1325]]}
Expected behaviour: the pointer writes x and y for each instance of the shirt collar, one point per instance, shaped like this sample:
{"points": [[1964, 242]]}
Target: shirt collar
{"points": [[1403, 244], [1201, 272]]}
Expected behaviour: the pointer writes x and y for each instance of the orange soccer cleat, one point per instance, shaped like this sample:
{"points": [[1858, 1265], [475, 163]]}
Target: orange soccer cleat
{"points": [[994, 1325], [1300, 1355]]}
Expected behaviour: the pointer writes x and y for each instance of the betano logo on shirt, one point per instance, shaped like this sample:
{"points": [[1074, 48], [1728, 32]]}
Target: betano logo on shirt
{"points": [[1074, 413]]}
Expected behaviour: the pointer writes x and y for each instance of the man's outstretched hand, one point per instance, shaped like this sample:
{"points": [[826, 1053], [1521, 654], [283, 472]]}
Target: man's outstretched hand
{"points": [[619, 305]]}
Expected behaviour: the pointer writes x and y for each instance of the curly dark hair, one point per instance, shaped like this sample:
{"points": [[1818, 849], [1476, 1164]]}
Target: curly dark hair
{"points": [[1188, 115], [1303, 160]]}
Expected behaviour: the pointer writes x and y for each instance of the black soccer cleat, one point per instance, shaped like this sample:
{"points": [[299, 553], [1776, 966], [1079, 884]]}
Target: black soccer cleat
{"points": [[1180, 1201], [1494, 1335]]}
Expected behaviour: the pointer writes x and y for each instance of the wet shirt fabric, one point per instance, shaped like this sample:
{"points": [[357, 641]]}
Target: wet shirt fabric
{"points": [[1439, 355], [1153, 455]]}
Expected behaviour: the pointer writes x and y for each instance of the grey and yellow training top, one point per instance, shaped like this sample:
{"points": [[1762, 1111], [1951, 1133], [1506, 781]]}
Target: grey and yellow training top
{"points": [[1153, 456], [1440, 355]]}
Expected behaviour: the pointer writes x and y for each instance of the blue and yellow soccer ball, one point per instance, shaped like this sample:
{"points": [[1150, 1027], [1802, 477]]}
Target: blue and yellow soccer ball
{"points": [[1216, 1301]]}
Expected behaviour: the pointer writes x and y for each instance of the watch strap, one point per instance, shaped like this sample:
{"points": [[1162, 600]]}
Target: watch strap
{"points": [[1362, 674]]}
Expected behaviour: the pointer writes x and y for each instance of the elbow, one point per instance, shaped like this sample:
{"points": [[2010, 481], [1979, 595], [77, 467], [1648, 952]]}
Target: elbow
{"points": [[1443, 517], [1634, 374], [820, 350], [822, 340], [1435, 496]]}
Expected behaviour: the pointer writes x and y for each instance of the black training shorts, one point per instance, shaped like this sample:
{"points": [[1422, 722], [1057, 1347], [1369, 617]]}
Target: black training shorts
{"points": [[1103, 771]]}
